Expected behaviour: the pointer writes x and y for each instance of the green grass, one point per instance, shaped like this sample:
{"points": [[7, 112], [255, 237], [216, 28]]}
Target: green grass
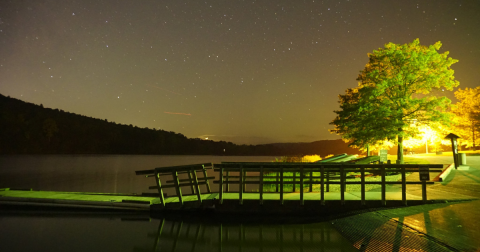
{"points": [[408, 160]]}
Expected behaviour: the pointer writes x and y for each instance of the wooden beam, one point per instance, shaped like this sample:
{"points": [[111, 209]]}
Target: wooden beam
{"points": [[342, 185], [192, 187], [244, 178], [260, 188], [240, 187], [301, 186], [404, 187], [177, 187], [294, 178], [159, 187], [277, 180], [196, 186], [424, 188], [206, 178], [187, 180], [383, 185], [220, 186], [362, 174], [281, 185], [227, 185], [322, 185], [311, 180]]}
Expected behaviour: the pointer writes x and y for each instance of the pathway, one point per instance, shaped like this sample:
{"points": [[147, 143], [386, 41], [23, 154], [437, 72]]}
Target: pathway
{"points": [[436, 227]]}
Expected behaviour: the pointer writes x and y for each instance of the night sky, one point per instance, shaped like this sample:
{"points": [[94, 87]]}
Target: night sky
{"points": [[241, 71]]}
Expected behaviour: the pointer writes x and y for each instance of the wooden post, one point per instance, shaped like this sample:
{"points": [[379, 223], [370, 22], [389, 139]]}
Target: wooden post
{"points": [[277, 180], [240, 186], [177, 186], [404, 187], [424, 189], [383, 186], [294, 175], [328, 181], [261, 185], [192, 187], [227, 184], [220, 186], [322, 185], [159, 188], [342, 185], [311, 181], [301, 185], [205, 175], [197, 187], [362, 171], [281, 185], [244, 178]]}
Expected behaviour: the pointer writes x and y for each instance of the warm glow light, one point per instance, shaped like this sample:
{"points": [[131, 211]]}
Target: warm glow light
{"points": [[427, 137]]}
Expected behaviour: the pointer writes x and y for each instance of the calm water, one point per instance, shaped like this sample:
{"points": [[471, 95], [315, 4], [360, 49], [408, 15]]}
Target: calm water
{"points": [[94, 173], [62, 231]]}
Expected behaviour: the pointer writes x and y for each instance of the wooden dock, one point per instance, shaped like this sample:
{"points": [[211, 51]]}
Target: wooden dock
{"points": [[251, 188], [280, 182]]}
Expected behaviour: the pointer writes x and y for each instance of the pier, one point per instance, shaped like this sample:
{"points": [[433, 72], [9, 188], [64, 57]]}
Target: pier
{"points": [[285, 187], [258, 188]]}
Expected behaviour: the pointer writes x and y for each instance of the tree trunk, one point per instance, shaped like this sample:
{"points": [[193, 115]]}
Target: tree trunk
{"points": [[400, 150], [368, 150]]}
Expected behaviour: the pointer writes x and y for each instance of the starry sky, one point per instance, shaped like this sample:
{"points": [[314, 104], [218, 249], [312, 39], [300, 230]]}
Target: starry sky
{"points": [[249, 72]]}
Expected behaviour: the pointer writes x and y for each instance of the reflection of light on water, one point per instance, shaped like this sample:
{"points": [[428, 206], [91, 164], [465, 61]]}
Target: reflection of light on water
{"points": [[413, 222], [94, 231], [183, 236]]}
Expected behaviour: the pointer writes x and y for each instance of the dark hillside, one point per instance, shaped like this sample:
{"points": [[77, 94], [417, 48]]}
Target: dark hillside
{"points": [[31, 129], [27, 128]]}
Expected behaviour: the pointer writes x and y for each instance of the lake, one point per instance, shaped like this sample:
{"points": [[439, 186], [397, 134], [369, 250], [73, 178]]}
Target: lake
{"points": [[67, 231], [95, 173]]}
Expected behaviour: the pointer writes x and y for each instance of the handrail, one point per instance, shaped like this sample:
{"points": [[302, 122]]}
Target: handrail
{"points": [[341, 168], [269, 173]]}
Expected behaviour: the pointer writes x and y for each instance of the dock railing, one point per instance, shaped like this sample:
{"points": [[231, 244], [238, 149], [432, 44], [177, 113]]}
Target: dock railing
{"points": [[284, 177], [315, 174], [193, 181]]}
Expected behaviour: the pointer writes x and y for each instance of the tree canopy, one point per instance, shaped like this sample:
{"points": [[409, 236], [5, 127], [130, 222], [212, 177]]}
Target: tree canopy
{"points": [[394, 91], [467, 119]]}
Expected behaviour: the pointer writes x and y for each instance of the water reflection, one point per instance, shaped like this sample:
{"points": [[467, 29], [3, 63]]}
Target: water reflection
{"points": [[184, 236], [58, 231]]}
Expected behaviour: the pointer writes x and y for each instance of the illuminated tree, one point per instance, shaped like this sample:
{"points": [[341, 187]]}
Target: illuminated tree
{"points": [[350, 122], [467, 115], [428, 136], [395, 90]]}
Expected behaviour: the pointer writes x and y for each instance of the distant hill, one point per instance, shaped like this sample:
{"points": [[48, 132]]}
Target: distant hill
{"points": [[27, 128]]}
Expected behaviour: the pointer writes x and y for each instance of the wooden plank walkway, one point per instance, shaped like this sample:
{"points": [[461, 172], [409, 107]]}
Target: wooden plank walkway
{"points": [[283, 176], [212, 184], [76, 199]]}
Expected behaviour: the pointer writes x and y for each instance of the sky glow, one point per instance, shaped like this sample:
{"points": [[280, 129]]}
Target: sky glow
{"points": [[241, 71]]}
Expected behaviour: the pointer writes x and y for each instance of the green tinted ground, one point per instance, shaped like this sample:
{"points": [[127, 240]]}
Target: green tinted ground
{"points": [[455, 226]]}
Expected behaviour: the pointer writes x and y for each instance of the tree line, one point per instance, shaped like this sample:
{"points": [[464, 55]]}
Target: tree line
{"points": [[32, 129]]}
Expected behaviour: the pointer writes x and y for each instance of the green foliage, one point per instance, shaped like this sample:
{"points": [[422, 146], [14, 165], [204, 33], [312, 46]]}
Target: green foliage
{"points": [[467, 116], [395, 89]]}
